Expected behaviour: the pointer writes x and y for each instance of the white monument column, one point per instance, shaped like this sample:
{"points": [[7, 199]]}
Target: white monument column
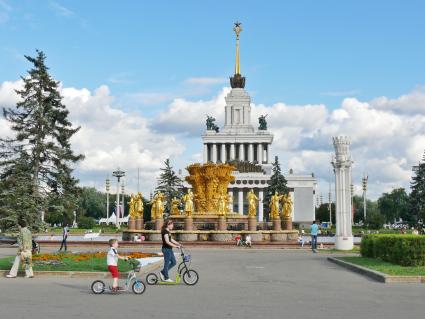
{"points": [[223, 153], [205, 152], [241, 152], [250, 152], [240, 201], [269, 154], [232, 152], [214, 153], [260, 153], [260, 205], [342, 167]]}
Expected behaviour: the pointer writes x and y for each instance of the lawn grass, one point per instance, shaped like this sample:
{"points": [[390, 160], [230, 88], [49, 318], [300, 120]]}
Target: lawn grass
{"points": [[355, 250], [68, 262], [385, 267]]}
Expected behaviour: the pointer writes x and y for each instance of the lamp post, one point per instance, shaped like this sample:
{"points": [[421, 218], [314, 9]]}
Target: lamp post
{"points": [[364, 186], [330, 208], [352, 202], [118, 174], [123, 199], [108, 185]]}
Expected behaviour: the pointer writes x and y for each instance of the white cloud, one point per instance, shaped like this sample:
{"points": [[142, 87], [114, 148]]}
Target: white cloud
{"points": [[411, 103]]}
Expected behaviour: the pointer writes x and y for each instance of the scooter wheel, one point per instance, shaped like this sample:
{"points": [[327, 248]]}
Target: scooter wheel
{"points": [[98, 287], [190, 277], [151, 279], [138, 287]]}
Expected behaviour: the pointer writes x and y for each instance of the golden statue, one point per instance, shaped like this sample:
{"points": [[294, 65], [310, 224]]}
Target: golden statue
{"points": [[158, 207], [252, 200], [132, 207], [175, 206], [208, 182], [287, 206], [188, 203], [229, 204], [139, 207], [223, 206], [274, 205]]}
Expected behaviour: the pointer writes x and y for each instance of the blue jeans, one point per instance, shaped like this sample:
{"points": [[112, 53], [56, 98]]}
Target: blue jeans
{"points": [[313, 241], [169, 261]]}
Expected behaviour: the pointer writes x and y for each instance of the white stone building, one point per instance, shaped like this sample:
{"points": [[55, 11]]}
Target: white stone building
{"points": [[239, 140]]}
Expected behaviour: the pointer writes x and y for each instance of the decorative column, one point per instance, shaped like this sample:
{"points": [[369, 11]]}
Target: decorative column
{"points": [[241, 152], [232, 152], [269, 154], [240, 201], [214, 153], [260, 153], [260, 205], [223, 153], [205, 152], [342, 167], [250, 153]]}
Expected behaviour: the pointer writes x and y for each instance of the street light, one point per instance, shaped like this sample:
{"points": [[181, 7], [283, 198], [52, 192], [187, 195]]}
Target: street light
{"points": [[118, 174], [364, 186], [123, 199], [108, 187]]}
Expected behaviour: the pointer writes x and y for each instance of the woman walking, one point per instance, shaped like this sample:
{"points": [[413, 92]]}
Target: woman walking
{"points": [[168, 243]]}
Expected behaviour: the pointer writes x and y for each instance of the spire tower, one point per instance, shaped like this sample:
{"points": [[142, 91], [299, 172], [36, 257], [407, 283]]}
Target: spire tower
{"points": [[237, 80]]}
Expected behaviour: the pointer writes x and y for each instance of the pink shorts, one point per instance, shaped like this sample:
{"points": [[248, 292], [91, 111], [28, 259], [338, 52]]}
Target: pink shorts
{"points": [[114, 271]]}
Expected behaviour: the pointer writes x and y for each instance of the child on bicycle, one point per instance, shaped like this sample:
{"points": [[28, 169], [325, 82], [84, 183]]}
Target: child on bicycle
{"points": [[112, 261]]}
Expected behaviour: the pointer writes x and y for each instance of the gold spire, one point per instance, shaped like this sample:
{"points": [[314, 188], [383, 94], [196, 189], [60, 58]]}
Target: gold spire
{"points": [[238, 30]]}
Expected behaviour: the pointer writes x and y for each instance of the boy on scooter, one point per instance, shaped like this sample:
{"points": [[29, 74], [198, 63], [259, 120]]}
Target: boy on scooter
{"points": [[112, 261]]}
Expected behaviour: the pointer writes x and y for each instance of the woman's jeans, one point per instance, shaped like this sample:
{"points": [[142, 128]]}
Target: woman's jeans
{"points": [[169, 261]]}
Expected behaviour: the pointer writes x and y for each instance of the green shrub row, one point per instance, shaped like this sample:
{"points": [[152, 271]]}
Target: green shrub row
{"points": [[404, 250]]}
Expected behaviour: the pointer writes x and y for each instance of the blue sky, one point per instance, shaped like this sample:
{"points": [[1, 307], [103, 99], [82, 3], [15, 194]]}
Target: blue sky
{"points": [[160, 57]]}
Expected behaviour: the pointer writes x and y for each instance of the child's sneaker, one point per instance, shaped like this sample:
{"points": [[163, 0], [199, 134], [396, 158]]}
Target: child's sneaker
{"points": [[168, 280]]}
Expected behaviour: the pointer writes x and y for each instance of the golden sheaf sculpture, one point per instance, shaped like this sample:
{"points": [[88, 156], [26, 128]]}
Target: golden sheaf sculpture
{"points": [[209, 181]]}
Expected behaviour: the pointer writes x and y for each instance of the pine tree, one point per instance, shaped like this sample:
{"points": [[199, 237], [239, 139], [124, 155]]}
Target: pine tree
{"points": [[417, 195], [277, 184], [42, 138], [170, 184]]}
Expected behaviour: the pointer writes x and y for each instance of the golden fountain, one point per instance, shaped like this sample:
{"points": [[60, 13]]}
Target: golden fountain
{"points": [[209, 181]]}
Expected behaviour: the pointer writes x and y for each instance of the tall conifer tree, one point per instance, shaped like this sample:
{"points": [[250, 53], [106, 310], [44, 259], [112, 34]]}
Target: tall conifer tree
{"points": [[417, 196], [277, 184], [169, 183], [41, 149]]}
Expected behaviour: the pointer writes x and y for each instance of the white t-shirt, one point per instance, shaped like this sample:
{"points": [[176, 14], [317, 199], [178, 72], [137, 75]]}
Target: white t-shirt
{"points": [[112, 257]]}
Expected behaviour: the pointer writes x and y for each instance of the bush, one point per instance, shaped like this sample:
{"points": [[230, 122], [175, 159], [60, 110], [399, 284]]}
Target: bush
{"points": [[86, 222], [404, 250]]}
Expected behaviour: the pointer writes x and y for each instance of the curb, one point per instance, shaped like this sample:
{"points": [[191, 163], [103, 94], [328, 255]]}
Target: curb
{"points": [[88, 274], [377, 275]]}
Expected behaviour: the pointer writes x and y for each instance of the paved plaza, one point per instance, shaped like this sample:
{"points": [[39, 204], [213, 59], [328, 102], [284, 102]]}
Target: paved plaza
{"points": [[234, 283]]}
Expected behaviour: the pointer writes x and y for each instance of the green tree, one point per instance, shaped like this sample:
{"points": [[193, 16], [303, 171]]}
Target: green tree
{"points": [[374, 220], [277, 184], [394, 205], [92, 203], [170, 184], [417, 195], [42, 137], [322, 213]]}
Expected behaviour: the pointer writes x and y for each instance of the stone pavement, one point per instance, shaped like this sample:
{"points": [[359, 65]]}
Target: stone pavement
{"points": [[234, 283]]}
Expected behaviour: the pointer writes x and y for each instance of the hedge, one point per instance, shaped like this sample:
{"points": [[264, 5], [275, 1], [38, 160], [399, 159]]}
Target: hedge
{"points": [[404, 250]]}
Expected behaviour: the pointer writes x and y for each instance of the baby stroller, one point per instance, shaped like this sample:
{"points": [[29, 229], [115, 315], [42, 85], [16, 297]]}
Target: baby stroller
{"points": [[35, 247]]}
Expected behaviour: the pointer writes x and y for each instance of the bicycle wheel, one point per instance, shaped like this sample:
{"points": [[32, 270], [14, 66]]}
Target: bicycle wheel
{"points": [[151, 279], [138, 287], [98, 287], [190, 277], [181, 267]]}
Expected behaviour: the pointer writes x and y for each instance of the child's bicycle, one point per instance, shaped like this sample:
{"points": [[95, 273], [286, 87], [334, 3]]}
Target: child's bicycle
{"points": [[190, 277], [137, 286]]}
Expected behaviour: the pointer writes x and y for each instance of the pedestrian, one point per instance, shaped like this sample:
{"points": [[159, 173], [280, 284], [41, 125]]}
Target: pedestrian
{"points": [[112, 262], [314, 229], [65, 233], [24, 252], [167, 249]]}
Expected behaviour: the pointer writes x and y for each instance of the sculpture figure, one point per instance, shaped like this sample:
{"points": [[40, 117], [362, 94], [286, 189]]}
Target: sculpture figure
{"points": [[139, 207], [229, 204], [222, 205], [287, 206], [274, 205], [262, 122], [211, 126], [132, 206], [158, 207], [175, 202], [252, 200], [188, 203]]}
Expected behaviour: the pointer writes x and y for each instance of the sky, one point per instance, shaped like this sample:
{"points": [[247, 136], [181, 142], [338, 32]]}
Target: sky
{"points": [[139, 78]]}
